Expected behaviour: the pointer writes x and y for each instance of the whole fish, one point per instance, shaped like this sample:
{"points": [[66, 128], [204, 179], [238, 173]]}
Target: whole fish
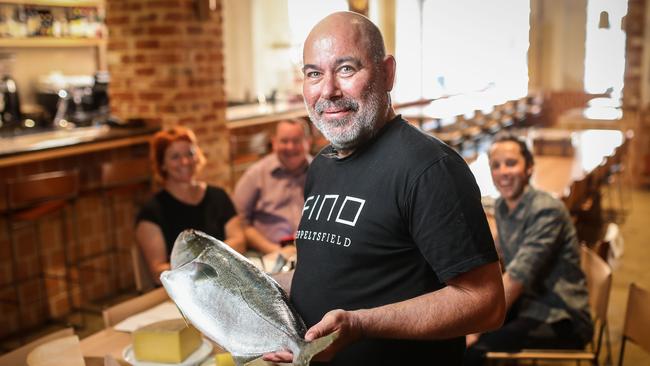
{"points": [[233, 303]]}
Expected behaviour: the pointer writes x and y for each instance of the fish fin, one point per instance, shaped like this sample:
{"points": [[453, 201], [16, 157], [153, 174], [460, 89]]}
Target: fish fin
{"points": [[313, 348]]}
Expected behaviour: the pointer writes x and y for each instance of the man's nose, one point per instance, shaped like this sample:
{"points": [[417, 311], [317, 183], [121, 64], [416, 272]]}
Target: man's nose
{"points": [[330, 87]]}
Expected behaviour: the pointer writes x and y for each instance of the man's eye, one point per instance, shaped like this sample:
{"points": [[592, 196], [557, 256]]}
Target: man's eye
{"points": [[346, 69], [313, 74]]}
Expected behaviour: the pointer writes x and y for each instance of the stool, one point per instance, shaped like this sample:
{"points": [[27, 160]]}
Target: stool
{"points": [[125, 177], [29, 199]]}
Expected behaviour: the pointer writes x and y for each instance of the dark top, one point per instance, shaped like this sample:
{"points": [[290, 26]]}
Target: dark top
{"points": [[392, 221], [540, 250], [174, 216]]}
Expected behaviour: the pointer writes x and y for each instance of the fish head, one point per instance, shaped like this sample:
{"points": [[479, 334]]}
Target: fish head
{"points": [[192, 275], [188, 245]]}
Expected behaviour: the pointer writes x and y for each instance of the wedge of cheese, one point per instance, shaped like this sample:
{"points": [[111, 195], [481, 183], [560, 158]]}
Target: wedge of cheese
{"points": [[167, 341], [224, 359]]}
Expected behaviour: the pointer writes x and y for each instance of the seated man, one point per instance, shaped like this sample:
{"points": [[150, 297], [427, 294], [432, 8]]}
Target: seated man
{"points": [[546, 293], [269, 196]]}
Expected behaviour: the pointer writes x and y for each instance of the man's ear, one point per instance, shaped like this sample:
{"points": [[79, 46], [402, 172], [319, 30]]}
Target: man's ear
{"points": [[389, 67], [529, 171]]}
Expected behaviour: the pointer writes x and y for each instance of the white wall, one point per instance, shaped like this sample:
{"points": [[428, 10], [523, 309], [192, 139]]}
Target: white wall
{"points": [[238, 49]]}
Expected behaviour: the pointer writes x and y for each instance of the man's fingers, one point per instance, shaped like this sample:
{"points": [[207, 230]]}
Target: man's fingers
{"points": [[280, 356]]}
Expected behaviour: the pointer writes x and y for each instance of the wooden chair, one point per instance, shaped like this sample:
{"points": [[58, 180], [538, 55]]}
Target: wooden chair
{"points": [[30, 199], [637, 320], [143, 279], [123, 310], [121, 178], [18, 357], [599, 282]]}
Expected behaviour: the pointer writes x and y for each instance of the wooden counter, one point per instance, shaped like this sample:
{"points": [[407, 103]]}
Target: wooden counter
{"points": [[62, 143]]}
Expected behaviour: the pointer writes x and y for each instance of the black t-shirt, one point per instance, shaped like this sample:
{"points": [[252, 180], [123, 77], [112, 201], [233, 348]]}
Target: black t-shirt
{"points": [[174, 216], [392, 221]]}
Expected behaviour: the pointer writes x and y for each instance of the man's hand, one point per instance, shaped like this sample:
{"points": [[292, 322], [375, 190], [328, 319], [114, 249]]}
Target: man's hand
{"points": [[346, 322]]}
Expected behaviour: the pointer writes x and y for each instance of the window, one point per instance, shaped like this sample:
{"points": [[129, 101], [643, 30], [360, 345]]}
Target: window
{"points": [[303, 15], [444, 48], [605, 49]]}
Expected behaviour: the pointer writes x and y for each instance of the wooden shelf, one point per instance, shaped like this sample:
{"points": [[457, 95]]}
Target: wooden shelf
{"points": [[44, 42], [66, 3]]}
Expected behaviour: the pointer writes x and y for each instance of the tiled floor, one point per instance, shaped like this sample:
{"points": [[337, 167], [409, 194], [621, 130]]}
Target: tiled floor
{"points": [[634, 265]]}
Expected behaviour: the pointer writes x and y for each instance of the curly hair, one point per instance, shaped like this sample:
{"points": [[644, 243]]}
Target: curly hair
{"points": [[162, 140]]}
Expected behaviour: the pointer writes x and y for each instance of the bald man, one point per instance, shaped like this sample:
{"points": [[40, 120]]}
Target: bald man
{"points": [[394, 250]]}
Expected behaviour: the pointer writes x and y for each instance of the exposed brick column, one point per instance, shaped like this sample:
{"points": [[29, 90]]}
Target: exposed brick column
{"points": [[634, 44], [166, 66]]}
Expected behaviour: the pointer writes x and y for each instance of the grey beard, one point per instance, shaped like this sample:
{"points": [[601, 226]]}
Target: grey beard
{"points": [[361, 126]]}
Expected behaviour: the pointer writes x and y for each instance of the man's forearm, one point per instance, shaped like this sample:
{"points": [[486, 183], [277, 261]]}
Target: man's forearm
{"points": [[258, 241], [453, 311]]}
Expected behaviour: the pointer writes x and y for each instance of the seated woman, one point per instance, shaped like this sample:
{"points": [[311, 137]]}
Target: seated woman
{"points": [[183, 203]]}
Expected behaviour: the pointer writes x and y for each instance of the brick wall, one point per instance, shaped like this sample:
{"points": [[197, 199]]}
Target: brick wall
{"points": [[166, 66], [635, 76], [634, 43]]}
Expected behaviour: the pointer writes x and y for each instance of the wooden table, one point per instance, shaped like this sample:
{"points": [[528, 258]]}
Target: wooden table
{"points": [[107, 341], [552, 173]]}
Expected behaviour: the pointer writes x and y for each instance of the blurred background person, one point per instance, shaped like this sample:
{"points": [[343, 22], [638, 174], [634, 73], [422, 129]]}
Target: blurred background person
{"points": [[545, 288], [270, 195], [184, 202]]}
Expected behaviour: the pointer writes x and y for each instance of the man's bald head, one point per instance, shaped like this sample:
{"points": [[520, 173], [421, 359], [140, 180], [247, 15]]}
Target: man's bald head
{"points": [[352, 25], [348, 79]]}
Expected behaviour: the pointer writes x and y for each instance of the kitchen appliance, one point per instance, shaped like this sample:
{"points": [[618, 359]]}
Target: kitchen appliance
{"points": [[81, 100], [10, 115]]}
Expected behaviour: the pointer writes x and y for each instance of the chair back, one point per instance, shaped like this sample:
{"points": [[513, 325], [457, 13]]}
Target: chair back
{"points": [[125, 173], [577, 195], [599, 282], [38, 188], [637, 319], [123, 310], [18, 357], [143, 279]]}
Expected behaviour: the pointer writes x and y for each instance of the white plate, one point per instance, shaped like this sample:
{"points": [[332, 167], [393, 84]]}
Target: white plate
{"points": [[194, 359]]}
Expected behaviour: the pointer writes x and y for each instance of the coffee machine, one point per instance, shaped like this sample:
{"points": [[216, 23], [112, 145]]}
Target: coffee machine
{"points": [[81, 100], [10, 116]]}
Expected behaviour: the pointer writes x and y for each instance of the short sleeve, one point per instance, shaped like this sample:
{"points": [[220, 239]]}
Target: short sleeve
{"points": [[447, 221], [228, 207], [221, 205], [150, 211]]}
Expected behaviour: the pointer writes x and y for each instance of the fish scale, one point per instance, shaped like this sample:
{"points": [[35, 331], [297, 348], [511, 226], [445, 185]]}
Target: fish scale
{"points": [[234, 303]]}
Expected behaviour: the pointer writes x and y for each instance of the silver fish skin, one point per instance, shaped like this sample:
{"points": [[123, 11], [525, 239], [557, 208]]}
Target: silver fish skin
{"points": [[235, 304]]}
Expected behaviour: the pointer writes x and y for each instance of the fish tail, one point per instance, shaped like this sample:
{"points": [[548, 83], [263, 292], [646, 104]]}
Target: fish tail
{"points": [[311, 349]]}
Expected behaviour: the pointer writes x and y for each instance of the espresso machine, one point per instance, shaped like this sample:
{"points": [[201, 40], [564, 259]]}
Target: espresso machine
{"points": [[10, 116], [81, 100]]}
